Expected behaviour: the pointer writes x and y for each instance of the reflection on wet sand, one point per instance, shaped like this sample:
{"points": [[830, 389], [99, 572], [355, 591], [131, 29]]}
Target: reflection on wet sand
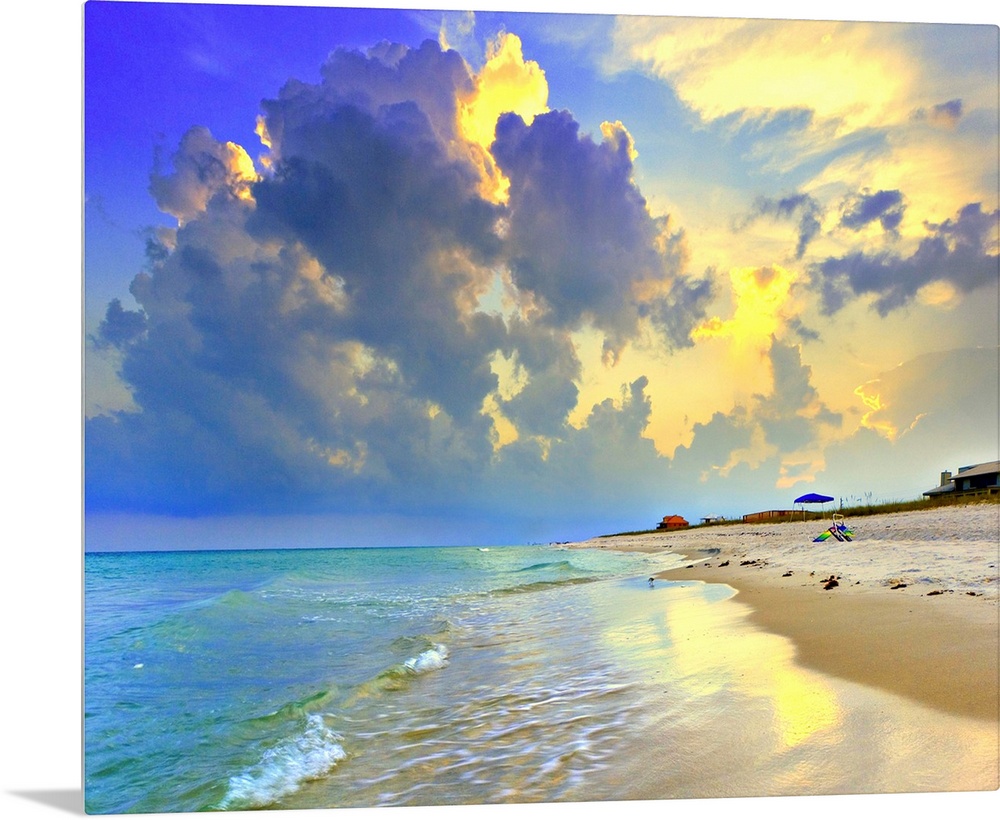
{"points": [[731, 712], [711, 649]]}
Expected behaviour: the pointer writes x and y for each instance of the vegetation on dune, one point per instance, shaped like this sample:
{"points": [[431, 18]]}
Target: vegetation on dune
{"points": [[881, 507], [852, 507]]}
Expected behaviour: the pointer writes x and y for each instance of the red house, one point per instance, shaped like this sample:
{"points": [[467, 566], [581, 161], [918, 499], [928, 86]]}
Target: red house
{"points": [[672, 522]]}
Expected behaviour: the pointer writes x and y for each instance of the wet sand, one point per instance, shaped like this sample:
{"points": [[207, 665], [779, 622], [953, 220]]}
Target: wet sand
{"points": [[938, 651], [914, 610]]}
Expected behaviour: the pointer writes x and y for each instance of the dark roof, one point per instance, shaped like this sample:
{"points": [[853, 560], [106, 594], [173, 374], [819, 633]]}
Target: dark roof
{"points": [[985, 468]]}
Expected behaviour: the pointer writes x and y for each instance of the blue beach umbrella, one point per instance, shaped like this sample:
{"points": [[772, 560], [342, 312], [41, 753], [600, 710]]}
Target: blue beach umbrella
{"points": [[812, 498]]}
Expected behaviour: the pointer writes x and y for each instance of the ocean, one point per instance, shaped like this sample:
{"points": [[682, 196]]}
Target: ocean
{"points": [[350, 677], [287, 679]]}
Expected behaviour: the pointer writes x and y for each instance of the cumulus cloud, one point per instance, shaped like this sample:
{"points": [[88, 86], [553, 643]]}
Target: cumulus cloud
{"points": [[761, 298], [202, 168], [313, 336], [399, 228], [777, 434], [610, 469], [960, 252], [792, 413], [581, 238], [507, 83], [119, 326], [550, 369]]}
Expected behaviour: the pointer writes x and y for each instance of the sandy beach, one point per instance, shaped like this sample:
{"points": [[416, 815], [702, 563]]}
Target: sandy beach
{"points": [[909, 606]]}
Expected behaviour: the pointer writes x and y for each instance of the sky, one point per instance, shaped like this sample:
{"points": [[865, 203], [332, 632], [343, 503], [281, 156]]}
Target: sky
{"points": [[367, 276]]}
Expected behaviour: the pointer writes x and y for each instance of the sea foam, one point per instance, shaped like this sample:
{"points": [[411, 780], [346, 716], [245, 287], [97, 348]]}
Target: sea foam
{"points": [[284, 768], [428, 660]]}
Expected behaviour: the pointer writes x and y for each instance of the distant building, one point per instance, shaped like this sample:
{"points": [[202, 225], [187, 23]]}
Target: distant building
{"points": [[672, 522], [976, 479], [778, 515]]}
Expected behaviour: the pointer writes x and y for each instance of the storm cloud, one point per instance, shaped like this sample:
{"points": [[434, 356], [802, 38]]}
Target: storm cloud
{"points": [[581, 237], [320, 333]]}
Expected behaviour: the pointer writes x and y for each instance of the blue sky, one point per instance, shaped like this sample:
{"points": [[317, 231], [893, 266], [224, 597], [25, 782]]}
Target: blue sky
{"points": [[369, 276]]}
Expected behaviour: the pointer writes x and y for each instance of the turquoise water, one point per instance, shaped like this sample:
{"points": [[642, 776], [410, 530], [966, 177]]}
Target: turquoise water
{"points": [[352, 677], [432, 676]]}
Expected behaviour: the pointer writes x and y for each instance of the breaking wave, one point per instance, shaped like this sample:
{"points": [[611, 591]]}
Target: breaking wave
{"points": [[283, 769]]}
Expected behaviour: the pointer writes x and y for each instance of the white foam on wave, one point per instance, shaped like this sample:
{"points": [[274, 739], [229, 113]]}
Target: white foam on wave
{"points": [[428, 660], [284, 768]]}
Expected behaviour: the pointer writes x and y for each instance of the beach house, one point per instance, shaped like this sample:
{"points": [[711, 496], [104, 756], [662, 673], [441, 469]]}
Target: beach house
{"points": [[976, 479], [672, 522]]}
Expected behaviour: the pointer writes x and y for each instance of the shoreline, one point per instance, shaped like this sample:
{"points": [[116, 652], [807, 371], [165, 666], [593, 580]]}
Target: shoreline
{"points": [[944, 656], [914, 610]]}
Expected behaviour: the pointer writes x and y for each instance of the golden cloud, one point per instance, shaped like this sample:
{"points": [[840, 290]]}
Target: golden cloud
{"points": [[838, 70], [507, 83], [760, 296]]}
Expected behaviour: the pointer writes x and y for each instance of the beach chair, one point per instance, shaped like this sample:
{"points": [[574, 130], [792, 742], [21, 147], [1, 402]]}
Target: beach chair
{"points": [[839, 530]]}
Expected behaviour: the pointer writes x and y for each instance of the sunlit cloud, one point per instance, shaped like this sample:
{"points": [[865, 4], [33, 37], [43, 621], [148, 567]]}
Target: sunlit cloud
{"points": [[939, 294], [898, 400], [465, 278], [935, 173], [761, 297], [872, 400], [617, 134], [837, 70], [370, 316], [202, 168], [843, 106], [507, 83]]}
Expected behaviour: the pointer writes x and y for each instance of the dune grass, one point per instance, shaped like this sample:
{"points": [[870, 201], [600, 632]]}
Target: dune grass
{"points": [[879, 508], [860, 507]]}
